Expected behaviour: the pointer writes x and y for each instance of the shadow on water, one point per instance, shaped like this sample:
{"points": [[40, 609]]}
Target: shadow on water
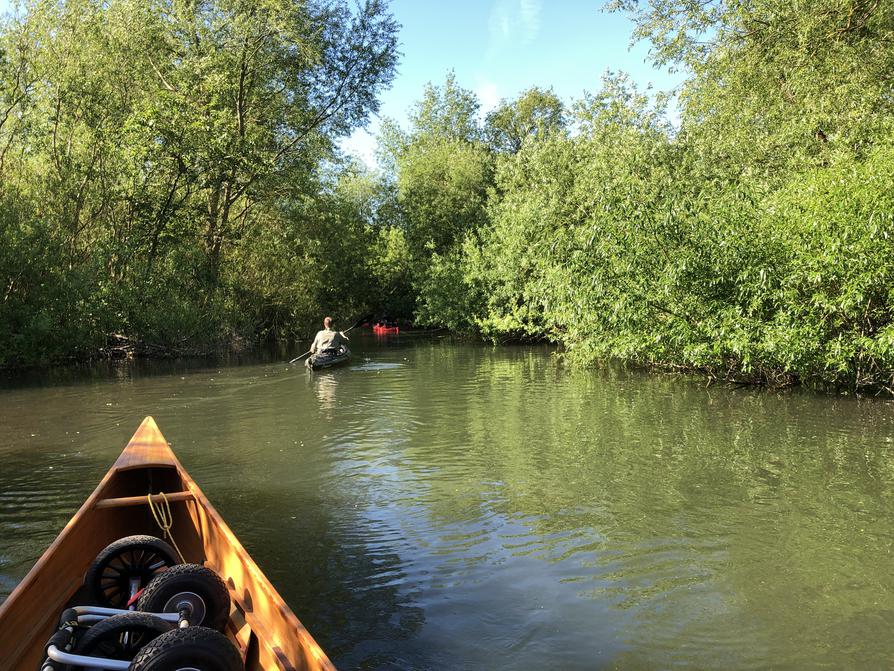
{"points": [[123, 370]]}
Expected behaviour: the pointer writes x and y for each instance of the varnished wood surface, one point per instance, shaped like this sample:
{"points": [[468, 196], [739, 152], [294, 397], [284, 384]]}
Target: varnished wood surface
{"points": [[146, 448], [120, 501], [267, 632]]}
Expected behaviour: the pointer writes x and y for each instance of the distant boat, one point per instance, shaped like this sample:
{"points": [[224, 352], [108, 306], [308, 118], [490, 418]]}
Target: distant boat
{"points": [[328, 358], [383, 329], [267, 635]]}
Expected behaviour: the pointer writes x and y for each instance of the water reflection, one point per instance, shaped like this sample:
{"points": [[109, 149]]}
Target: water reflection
{"points": [[325, 387], [339, 571], [445, 506]]}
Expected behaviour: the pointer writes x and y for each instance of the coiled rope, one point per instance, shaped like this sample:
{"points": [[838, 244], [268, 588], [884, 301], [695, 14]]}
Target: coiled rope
{"points": [[164, 519]]}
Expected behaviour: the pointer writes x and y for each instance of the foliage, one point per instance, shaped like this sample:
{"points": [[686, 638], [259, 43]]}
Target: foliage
{"points": [[442, 171], [534, 114], [625, 241], [444, 296], [835, 229], [777, 85], [442, 190], [392, 268], [154, 154], [447, 112]]}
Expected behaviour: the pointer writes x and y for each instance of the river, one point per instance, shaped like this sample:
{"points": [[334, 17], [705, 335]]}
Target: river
{"points": [[441, 505]]}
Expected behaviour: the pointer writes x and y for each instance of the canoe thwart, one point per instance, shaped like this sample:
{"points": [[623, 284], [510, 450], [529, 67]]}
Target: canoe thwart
{"points": [[142, 500]]}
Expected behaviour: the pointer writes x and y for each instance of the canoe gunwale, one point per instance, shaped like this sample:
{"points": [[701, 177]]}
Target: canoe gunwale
{"points": [[263, 583]]}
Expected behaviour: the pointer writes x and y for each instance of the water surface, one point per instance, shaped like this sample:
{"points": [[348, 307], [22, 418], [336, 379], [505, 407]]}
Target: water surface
{"points": [[446, 506]]}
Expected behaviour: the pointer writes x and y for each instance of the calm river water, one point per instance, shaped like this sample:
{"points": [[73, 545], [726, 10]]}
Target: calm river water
{"points": [[444, 506]]}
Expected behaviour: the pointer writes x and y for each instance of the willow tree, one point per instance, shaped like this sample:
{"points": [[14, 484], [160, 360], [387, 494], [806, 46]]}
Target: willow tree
{"points": [[442, 169], [253, 94], [151, 139], [775, 84], [534, 114], [792, 102]]}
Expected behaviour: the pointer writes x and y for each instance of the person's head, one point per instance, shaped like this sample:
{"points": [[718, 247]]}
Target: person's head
{"points": [[327, 322]]}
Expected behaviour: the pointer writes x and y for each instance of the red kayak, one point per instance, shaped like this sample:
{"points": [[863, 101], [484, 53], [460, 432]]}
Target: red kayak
{"points": [[382, 329]]}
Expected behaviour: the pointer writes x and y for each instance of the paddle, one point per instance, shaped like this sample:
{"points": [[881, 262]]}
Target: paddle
{"points": [[358, 323], [300, 357]]}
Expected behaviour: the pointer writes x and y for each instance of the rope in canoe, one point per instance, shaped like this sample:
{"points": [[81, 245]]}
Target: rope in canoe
{"points": [[165, 520]]}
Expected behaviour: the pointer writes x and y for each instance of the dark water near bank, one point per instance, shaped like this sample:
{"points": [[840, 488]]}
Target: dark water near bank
{"points": [[445, 506]]}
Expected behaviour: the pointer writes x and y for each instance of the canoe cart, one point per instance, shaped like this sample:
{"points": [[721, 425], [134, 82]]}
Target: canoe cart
{"points": [[327, 358], [110, 594]]}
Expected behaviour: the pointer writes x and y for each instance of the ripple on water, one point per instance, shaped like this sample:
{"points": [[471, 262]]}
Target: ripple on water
{"points": [[35, 503], [375, 366], [451, 507]]}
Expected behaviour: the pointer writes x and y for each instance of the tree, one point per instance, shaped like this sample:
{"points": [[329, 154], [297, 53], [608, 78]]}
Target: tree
{"points": [[151, 140], [442, 189], [263, 89], [536, 113], [447, 112], [441, 171], [776, 84]]}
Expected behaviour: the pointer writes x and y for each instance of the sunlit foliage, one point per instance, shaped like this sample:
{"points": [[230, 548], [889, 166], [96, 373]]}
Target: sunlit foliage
{"points": [[156, 156], [752, 241]]}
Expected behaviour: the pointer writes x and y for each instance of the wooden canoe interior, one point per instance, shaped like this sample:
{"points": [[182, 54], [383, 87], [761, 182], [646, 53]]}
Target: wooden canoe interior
{"points": [[263, 627]]}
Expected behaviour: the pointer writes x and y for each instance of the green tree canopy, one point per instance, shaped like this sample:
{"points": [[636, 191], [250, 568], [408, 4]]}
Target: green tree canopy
{"points": [[148, 141], [773, 84], [535, 113]]}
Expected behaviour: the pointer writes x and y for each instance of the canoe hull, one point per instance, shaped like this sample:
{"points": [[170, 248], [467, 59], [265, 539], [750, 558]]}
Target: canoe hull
{"points": [[320, 361], [267, 633]]}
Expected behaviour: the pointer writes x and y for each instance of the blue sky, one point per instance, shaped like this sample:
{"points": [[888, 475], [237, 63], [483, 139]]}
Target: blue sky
{"points": [[499, 48]]}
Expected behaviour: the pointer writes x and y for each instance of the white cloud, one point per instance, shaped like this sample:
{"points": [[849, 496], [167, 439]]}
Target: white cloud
{"points": [[498, 24], [514, 21], [530, 17]]}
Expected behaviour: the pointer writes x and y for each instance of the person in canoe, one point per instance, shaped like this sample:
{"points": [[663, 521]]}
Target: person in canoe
{"points": [[329, 347], [327, 339]]}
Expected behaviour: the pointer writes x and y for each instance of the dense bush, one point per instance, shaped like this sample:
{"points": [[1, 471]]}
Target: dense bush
{"points": [[753, 242], [165, 179], [614, 243]]}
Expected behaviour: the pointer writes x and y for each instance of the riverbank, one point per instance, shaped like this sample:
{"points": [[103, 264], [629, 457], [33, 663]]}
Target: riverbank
{"points": [[122, 350]]}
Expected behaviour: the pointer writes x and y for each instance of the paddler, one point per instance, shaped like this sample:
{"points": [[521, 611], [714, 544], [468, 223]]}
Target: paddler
{"points": [[327, 338]]}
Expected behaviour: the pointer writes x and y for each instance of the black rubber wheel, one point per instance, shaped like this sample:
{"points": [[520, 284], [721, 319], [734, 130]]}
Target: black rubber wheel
{"points": [[140, 557], [195, 648], [120, 636], [195, 585]]}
